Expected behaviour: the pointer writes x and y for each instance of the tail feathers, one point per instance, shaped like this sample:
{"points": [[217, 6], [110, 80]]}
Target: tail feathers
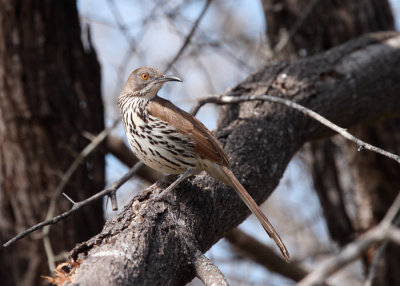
{"points": [[231, 180]]}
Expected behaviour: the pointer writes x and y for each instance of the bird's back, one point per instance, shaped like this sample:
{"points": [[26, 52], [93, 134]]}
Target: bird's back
{"points": [[205, 144]]}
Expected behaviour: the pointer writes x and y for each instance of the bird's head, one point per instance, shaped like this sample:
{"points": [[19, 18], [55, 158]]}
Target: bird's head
{"points": [[146, 82]]}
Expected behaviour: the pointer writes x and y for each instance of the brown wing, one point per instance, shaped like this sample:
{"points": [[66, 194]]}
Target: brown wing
{"points": [[206, 145]]}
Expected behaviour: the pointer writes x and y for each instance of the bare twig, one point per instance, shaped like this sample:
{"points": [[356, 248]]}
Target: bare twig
{"points": [[51, 260], [220, 47], [208, 272], [121, 70], [75, 164], [122, 27], [116, 185], [265, 256], [133, 48], [64, 181], [113, 199], [188, 37], [393, 211], [225, 99], [293, 30], [92, 18], [382, 232], [374, 267], [203, 101], [69, 199]]}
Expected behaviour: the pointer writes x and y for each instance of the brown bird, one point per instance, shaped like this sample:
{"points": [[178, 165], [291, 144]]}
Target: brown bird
{"points": [[173, 141]]}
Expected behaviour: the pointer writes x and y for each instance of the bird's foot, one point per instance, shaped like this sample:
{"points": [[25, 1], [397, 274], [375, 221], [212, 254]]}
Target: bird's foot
{"points": [[164, 194]]}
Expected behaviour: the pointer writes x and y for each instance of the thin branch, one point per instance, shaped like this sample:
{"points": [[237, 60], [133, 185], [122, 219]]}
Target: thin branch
{"points": [[122, 27], [97, 140], [382, 232], [220, 47], [51, 261], [293, 30], [203, 101], [208, 272], [74, 166], [393, 211], [264, 255], [188, 37], [97, 20], [225, 99], [374, 267], [113, 199], [116, 185], [69, 199]]}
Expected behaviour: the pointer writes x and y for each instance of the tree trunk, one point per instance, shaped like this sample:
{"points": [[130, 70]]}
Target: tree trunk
{"points": [[375, 181], [154, 241], [49, 95], [316, 26]]}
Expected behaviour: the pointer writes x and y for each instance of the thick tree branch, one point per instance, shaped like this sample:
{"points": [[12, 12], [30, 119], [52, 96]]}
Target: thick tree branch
{"points": [[151, 241]]}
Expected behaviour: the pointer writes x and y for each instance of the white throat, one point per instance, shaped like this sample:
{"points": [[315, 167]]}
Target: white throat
{"points": [[151, 91]]}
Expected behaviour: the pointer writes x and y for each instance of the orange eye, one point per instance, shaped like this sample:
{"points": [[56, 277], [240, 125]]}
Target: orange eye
{"points": [[145, 76]]}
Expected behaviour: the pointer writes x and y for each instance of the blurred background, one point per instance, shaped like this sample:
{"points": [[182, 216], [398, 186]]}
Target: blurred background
{"points": [[212, 46]]}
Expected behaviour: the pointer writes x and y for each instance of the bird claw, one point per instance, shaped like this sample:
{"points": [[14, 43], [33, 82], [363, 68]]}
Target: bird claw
{"points": [[172, 186]]}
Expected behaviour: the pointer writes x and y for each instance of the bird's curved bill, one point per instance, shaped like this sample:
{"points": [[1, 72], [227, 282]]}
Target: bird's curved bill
{"points": [[166, 78]]}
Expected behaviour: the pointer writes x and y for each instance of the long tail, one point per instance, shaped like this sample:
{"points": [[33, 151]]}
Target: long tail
{"points": [[231, 180]]}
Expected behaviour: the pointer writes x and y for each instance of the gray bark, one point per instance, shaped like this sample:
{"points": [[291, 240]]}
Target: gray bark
{"points": [[154, 242]]}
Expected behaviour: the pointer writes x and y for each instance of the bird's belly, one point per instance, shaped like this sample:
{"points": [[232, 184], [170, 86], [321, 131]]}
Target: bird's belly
{"points": [[162, 153]]}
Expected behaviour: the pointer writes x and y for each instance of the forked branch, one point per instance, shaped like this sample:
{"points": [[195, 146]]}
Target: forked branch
{"points": [[76, 206]]}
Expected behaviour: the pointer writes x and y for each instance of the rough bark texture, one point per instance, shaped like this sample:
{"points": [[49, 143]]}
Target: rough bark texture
{"points": [[153, 242], [326, 23], [49, 95], [374, 183]]}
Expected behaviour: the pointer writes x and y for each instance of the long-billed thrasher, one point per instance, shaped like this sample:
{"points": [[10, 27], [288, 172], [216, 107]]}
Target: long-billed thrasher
{"points": [[173, 141]]}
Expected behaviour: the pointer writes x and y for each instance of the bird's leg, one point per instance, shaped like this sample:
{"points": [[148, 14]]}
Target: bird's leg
{"points": [[185, 175]]}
